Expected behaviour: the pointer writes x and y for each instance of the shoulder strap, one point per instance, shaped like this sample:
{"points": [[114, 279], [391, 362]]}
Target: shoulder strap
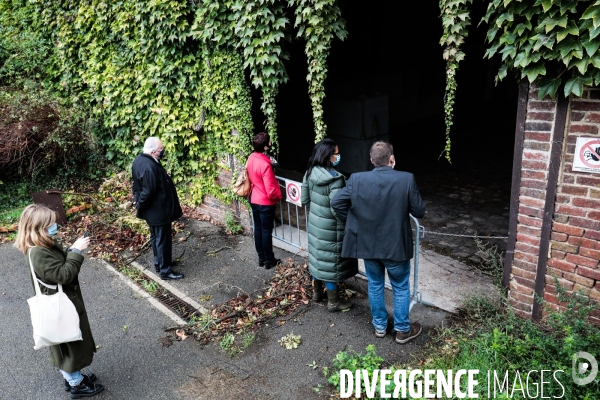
{"points": [[38, 292]]}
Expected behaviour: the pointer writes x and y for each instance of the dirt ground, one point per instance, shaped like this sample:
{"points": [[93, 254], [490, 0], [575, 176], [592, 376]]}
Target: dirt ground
{"points": [[464, 202]]}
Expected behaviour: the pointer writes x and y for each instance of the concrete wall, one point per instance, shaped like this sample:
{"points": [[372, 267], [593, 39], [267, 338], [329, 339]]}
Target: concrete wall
{"points": [[574, 248]]}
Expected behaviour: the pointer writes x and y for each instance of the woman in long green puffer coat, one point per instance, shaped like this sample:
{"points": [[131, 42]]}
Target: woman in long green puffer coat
{"points": [[325, 232], [53, 265]]}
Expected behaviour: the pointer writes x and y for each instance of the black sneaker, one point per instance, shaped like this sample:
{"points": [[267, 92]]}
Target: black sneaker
{"points": [[87, 378], [85, 390], [415, 330]]}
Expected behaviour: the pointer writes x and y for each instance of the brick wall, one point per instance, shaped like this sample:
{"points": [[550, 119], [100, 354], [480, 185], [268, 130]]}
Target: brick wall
{"points": [[216, 209], [539, 126], [575, 241], [575, 238]]}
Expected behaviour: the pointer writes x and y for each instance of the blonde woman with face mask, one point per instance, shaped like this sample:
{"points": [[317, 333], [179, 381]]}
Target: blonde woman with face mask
{"points": [[54, 264]]}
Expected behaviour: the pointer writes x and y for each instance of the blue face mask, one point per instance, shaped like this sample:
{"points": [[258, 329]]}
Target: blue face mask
{"points": [[53, 229], [336, 162], [162, 153]]}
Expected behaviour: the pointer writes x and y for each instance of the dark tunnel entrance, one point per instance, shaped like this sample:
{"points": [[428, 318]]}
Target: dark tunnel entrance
{"points": [[386, 81]]}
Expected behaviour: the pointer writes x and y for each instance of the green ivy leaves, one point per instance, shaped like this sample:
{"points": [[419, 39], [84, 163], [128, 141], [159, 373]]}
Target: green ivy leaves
{"points": [[318, 22], [261, 28], [455, 21], [142, 72], [176, 69], [555, 42]]}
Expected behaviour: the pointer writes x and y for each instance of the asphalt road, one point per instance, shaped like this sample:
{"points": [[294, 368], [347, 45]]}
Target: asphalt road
{"points": [[133, 363]]}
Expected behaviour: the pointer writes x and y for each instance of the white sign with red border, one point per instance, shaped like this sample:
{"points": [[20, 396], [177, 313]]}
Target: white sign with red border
{"points": [[293, 192], [587, 155]]}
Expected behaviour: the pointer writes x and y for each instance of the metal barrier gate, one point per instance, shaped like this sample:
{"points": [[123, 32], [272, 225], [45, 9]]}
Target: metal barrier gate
{"points": [[295, 236]]}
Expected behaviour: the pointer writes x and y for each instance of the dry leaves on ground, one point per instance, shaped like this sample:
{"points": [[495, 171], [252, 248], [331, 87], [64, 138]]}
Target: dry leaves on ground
{"points": [[289, 288]]}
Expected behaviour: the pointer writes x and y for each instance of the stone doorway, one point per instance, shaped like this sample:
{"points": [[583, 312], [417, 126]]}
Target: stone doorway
{"points": [[405, 78]]}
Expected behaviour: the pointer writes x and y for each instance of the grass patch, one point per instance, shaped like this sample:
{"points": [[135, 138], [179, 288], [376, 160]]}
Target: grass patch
{"points": [[234, 344], [10, 217], [489, 336], [16, 195], [227, 344]]}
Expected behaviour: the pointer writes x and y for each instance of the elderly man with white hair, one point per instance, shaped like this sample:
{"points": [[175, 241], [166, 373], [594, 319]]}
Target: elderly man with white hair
{"points": [[156, 201]]}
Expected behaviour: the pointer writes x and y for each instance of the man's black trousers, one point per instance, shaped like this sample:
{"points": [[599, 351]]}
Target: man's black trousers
{"points": [[162, 247]]}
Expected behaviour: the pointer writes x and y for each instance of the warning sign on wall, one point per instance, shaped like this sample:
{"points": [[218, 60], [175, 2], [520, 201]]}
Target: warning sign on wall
{"points": [[587, 155], [293, 191]]}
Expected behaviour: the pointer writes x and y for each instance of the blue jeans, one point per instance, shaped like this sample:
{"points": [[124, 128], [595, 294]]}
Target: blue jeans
{"points": [[74, 378], [330, 286], [399, 274], [263, 218]]}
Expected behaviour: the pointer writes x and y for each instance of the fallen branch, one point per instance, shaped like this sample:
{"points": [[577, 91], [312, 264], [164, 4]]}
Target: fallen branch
{"points": [[142, 251], [213, 252]]}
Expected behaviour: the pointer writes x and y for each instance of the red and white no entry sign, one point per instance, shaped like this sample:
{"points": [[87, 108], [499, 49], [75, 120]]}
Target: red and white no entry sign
{"points": [[587, 155], [294, 192]]}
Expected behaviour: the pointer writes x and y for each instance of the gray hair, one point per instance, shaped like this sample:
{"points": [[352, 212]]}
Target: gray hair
{"points": [[151, 144], [380, 153]]}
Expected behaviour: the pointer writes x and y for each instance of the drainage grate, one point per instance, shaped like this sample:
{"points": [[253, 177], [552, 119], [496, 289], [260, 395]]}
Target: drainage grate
{"points": [[175, 304]]}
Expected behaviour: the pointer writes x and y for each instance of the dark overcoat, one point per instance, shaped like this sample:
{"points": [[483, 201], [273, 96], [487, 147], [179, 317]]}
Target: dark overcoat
{"points": [[376, 207], [325, 231], [53, 266], [154, 192]]}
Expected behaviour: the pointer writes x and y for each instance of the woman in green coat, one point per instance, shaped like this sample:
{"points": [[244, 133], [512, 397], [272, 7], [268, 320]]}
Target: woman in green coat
{"points": [[52, 264], [325, 231]]}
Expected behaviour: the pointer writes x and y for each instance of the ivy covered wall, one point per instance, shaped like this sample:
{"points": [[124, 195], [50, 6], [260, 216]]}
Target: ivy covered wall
{"points": [[177, 69]]}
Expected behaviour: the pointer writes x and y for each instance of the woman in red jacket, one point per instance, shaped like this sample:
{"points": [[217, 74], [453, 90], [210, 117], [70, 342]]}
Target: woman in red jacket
{"points": [[265, 195]]}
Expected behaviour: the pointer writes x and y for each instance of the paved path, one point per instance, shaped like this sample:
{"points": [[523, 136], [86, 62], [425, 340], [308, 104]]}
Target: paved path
{"points": [[132, 361]]}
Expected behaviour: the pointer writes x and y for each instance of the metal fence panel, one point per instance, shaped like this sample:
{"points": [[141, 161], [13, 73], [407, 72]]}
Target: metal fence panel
{"points": [[292, 235]]}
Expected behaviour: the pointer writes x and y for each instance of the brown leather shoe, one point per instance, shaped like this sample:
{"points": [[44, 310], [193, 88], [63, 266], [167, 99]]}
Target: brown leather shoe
{"points": [[415, 330]]}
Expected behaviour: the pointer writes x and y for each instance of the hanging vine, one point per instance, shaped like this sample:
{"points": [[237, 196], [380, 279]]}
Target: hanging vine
{"points": [[455, 20], [318, 22], [261, 28]]}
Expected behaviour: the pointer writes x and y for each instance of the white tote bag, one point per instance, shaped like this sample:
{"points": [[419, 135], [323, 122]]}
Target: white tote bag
{"points": [[54, 317]]}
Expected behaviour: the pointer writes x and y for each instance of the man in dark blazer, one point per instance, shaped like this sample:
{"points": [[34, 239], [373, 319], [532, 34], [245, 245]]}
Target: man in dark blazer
{"points": [[156, 201], [376, 207]]}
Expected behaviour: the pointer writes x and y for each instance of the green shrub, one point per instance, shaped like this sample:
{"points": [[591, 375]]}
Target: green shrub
{"points": [[488, 336], [493, 338], [232, 225], [353, 361], [47, 138]]}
